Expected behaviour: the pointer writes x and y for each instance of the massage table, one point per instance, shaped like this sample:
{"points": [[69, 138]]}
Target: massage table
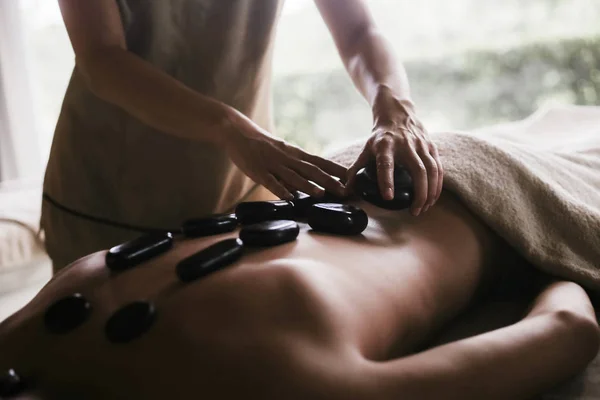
{"points": [[547, 123]]}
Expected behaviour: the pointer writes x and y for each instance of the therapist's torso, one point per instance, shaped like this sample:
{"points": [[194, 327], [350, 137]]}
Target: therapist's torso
{"points": [[108, 164]]}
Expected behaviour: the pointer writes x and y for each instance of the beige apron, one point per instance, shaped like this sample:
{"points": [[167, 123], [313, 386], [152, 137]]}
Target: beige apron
{"points": [[106, 166]]}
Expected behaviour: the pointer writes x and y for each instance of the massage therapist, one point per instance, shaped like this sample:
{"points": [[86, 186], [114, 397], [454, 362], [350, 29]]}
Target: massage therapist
{"points": [[168, 116]]}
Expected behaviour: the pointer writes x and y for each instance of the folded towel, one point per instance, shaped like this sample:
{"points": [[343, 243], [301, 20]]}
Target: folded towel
{"points": [[535, 182]]}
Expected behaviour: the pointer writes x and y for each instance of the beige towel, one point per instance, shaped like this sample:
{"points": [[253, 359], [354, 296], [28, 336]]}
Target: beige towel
{"points": [[535, 182]]}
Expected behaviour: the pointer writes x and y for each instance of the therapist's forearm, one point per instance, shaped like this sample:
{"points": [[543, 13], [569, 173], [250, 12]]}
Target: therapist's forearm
{"points": [[155, 98], [376, 72]]}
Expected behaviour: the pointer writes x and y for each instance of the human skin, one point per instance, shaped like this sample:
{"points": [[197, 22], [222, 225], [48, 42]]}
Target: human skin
{"points": [[323, 317]]}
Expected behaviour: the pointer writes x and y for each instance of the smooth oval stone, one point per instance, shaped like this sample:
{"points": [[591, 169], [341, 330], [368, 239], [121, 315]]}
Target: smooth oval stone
{"points": [[402, 200], [11, 384], [402, 178], [303, 202], [216, 225], [209, 260], [368, 190], [269, 233], [130, 322], [134, 252], [67, 313], [253, 212], [340, 219]]}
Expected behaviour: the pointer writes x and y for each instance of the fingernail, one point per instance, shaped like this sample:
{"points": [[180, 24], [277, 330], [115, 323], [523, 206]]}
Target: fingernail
{"points": [[426, 208], [417, 212], [389, 194]]}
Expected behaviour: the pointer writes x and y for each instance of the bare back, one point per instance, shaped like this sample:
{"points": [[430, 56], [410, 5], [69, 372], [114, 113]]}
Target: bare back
{"points": [[318, 305]]}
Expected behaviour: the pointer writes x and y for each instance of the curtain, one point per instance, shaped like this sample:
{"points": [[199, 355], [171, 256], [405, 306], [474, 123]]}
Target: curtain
{"points": [[19, 148]]}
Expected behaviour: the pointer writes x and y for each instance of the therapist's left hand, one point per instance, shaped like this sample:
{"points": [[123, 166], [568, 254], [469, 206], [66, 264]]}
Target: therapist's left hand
{"points": [[399, 137]]}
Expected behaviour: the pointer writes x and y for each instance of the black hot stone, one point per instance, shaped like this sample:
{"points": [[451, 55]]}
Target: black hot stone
{"points": [[368, 190], [134, 252], [303, 202], [11, 384], [130, 322], [209, 260], [216, 225], [67, 314], [253, 212], [340, 219], [402, 178], [269, 233], [329, 197]]}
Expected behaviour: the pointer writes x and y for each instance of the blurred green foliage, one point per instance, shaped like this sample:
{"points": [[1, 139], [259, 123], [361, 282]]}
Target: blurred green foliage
{"points": [[461, 91]]}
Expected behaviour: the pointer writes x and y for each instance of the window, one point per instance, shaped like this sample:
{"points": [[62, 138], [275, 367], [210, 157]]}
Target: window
{"points": [[470, 63], [50, 63]]}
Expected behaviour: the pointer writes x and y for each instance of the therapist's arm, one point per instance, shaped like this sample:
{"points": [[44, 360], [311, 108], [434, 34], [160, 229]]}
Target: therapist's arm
{"points": [[398, 136], [122, 78]]}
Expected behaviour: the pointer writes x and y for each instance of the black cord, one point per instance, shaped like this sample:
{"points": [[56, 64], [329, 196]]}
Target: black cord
{"points": [[106, 221]]}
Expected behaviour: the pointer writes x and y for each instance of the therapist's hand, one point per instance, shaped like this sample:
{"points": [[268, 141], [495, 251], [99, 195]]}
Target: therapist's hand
{"points": [[277, 165], [399, 137]]}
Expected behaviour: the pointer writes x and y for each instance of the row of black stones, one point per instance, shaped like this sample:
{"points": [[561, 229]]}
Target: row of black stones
{"points": [[264, 229], [263, 224]]}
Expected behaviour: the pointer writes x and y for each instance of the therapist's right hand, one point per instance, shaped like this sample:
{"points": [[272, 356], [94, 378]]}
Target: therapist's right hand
{"points": [[277, 165]]}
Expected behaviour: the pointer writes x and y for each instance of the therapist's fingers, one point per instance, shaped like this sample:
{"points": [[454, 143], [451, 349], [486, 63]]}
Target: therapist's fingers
{"points": [[432, 176], [412, 161], [296, 182], [384, 162], [276, 187], [311, 172], [331, 167], [433, 150], [321, 171]]}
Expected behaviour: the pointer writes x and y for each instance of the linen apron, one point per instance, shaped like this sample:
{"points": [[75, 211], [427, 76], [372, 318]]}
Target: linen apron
{"points": [[107, 167]]}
